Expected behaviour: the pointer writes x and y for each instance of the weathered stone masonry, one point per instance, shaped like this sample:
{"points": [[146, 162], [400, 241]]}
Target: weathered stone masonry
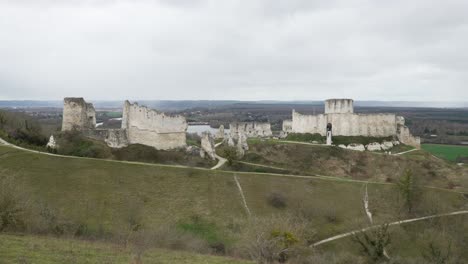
{"points": [[140, 125], [340, 114], [77, 114], [149, 127]]}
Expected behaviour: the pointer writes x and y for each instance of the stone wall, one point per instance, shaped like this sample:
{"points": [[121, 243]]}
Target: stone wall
{"points": [[405, 137], [339, 113], [77, 114], [250, 129], [114, 138], [149, 127], [375, 125], [287, 126], [339, 106]]}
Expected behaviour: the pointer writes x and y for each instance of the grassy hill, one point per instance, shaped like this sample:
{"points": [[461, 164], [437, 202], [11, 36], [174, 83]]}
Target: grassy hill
{"points": [[194, 209], [49, 250], [322, 160]]}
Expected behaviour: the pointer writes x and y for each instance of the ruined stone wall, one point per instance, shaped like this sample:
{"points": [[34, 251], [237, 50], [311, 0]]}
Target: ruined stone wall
{"points": [[375, 125], [250, 129], [405, 137], [339, 106], [77, 114], [287, 126], [114, 138], [149, 127]]}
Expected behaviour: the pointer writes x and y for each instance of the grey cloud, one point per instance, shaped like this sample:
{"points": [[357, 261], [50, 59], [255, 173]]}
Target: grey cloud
{"points": [[208, 49]]}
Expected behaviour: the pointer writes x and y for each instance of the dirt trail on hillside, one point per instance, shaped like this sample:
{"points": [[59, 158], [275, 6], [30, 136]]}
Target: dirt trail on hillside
{"points": [[333, 238]]}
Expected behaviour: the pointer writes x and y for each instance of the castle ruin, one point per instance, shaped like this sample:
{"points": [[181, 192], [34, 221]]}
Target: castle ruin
{"points": [[77, 114], [140, 125], [250, 129], [339, 116]]}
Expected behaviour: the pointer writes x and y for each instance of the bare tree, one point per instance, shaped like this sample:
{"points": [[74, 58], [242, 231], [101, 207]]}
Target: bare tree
{"points": [[373, 242]]}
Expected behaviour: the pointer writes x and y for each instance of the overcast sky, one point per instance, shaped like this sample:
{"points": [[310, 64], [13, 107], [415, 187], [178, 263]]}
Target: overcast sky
{"points": [[246, 50]]}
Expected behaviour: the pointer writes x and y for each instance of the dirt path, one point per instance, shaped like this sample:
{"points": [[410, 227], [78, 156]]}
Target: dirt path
{"points": [[404, 152], [369, 215], [333, 238], [242, 195], [221, 162]]}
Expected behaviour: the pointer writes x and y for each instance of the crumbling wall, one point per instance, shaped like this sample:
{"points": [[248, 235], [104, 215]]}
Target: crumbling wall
{"points": [[287, 126], [405, 137], [114, 138], [250, 129], [77, 114], [149, 127]]}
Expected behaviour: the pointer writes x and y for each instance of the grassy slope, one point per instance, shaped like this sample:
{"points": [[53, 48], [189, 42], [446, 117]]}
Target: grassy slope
{"points": [[448, 152], [104, 194], [310, 160], [42, 250], [441, 232]]}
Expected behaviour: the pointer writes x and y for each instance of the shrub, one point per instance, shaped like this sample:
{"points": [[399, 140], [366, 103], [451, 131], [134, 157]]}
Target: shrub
{"points": [[306, 137], [277, 200]]}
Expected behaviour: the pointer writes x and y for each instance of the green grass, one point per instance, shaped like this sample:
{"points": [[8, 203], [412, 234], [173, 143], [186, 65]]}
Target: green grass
{"points": [[45, 250], [448, 152], [109, 197], [441, 232], [333, 161]]}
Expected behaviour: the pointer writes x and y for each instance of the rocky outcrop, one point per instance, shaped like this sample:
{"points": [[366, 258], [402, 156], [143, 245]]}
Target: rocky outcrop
{"points": [[386, 145], [207, 146], [357, 147], [220, 134], [52, 144], [242, 145], [374, 146]]}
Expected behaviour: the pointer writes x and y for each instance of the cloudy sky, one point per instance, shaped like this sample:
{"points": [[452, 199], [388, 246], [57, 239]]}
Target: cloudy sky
{"points": [[223, 49]]}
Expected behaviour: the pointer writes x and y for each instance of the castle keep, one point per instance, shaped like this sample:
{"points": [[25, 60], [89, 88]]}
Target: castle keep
{"points": [[339, 115], [140, 125]]}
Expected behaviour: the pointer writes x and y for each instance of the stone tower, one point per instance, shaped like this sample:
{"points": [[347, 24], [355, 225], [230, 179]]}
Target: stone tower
{"points": [[77, 114], [339, 106]]}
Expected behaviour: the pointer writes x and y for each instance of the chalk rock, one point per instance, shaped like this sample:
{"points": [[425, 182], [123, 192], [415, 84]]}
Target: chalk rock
{"points": [[396, 142], [52, 143], [231, 142], [358, 147], [220, 133], [386, 145], [208, 146], [373, 147], [342, 146]]}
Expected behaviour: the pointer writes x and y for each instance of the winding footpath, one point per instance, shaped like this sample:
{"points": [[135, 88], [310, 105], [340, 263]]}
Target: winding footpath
{"points": [[333, 238]]}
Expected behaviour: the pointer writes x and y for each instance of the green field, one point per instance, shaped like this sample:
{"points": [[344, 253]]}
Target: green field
{"points": [[193, 209], [49, 250], [448, 152]]}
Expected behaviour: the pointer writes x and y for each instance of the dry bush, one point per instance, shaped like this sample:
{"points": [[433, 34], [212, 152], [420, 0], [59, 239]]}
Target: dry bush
{"points": [[274, 239], [277, 200], [13, 204]]}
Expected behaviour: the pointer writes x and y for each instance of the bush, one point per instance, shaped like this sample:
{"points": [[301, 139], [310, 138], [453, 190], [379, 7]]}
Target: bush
{"points": [[277, 200], [73, 143], [306, 137], [12, 205]]}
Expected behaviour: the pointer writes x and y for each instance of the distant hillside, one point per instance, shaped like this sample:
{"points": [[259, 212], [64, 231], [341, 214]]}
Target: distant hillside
{"points": [[175, 105]]}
